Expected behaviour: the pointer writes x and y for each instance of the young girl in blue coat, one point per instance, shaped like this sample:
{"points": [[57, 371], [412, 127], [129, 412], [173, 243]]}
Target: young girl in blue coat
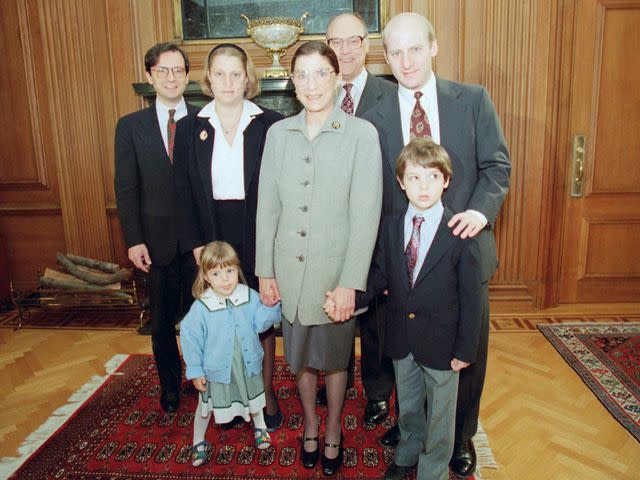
{"points": [[221, 348]]}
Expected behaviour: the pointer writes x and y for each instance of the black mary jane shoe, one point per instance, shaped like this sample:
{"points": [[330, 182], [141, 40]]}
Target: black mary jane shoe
{"points": [[330, 466], [309, 459]]}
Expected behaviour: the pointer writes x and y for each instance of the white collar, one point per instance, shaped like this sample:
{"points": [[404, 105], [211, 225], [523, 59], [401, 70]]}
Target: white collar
{"points": [[428, 90], [431, 215], [214, 302], [249, 109], [358, 82], [182, 106]]}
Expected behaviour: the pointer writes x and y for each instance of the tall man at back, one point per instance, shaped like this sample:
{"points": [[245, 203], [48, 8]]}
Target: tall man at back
{"points": [[148, 207], [463, 120], [359, 92]]}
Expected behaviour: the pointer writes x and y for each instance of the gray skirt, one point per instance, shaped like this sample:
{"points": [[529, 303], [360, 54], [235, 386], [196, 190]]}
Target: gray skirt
{"points": [[323, 347]]}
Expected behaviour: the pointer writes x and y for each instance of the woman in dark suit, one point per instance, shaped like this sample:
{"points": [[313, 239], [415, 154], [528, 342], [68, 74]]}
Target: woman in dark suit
{"points": [[222, 148]]}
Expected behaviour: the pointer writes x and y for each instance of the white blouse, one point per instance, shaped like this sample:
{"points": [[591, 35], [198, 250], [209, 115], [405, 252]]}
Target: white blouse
{"points": [[227, 160]]}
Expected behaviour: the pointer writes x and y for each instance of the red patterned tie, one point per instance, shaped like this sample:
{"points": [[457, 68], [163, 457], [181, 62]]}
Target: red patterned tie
{"points": [[171, 132], [347, 101], [420, 126], [411, 252]]}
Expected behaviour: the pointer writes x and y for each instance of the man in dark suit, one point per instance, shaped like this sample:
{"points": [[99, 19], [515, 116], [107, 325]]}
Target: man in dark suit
{"points": [[360, 91], [148, 207], [463, 120]]}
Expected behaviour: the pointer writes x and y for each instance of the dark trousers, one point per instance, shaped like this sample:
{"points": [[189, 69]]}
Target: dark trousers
{"points": [[472, 381], [169, 295], [230, 226], [377, 369]]}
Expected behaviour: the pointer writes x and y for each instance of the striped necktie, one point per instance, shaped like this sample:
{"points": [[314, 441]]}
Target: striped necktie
{"points": [[171, 132]]}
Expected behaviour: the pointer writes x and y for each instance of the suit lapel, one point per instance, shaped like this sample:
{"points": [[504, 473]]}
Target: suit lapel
{"points": [[204, 152], [397, 247], [253, 136], [151, 130], [449, 111], [370, 95], [391, 139], [442, 242]]}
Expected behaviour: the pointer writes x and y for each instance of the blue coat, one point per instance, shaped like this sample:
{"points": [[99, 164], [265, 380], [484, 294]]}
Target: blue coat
{"points": [[208, 331]]}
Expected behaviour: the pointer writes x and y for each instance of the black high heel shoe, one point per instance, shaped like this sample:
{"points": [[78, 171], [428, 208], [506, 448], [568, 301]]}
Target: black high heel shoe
{"points": [[330, 466], [309, 459]]}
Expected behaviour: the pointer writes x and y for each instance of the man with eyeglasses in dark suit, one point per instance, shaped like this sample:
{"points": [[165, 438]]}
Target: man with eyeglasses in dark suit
{"points": [[359, 92], [148, 207]]}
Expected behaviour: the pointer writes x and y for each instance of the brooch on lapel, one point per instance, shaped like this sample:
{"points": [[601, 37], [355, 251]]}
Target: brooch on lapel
{"points": [[335, 125], [203, 135]]}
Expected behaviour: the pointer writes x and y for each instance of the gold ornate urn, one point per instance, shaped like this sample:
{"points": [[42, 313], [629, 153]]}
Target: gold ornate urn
{"points": [[275, 35]]}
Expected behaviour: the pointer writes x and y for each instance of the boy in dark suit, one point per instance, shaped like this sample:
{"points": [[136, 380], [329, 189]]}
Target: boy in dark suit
{"points": [[149, 210], [434, 309]]}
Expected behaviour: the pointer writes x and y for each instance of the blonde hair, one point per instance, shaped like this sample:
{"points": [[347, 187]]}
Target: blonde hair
{"points": [[425, 153], [232, 50], [215, 255]]}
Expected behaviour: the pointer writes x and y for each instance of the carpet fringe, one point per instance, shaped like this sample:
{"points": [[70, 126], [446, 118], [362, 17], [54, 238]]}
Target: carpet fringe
{"points": [[8, 465], [483, 451]]}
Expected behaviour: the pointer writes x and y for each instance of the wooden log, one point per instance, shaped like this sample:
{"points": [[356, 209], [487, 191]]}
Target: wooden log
{"points": [[80, 287], [91, 277], [65, 277], [92, 263]]}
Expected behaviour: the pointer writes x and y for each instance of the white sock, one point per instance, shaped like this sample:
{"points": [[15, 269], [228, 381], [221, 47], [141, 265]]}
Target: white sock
{"points": [[200, 424], [258, 420]]}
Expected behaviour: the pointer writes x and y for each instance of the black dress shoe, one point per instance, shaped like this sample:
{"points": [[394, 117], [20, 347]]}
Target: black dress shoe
{"points": [[309, 459], [396, 472], [376, 412], [273, 422], [170, 402], [391, 438], [463, 461], [330, 466], [321, 397]]}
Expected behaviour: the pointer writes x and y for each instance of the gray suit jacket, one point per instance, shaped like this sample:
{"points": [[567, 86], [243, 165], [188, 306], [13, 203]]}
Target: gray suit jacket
{"points": [[375, 90], [470, 132], [318, 210]]}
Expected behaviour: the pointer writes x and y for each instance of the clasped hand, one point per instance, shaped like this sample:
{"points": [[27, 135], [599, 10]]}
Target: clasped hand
{"points": [[340, 304]]}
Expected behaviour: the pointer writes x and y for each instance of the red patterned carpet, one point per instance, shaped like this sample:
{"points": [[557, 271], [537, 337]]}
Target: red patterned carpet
{"points": [[121, 433], [607, 358]]}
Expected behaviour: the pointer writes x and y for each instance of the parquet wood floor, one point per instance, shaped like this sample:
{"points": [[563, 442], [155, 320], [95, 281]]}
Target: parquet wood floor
{"points": [[542, 421]]}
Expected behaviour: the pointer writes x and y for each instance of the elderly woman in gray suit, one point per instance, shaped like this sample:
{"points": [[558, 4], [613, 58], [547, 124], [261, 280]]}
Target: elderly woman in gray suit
{"points": [[319, 202]]}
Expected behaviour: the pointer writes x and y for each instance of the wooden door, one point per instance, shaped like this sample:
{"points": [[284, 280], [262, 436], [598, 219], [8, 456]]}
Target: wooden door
{"points": [[601, 228]]}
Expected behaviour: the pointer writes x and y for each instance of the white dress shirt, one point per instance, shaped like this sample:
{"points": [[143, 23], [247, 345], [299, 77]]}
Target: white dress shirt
{"points": [[356, 91], [162, 111], [428, 229], [227, 160], [429, 102]]}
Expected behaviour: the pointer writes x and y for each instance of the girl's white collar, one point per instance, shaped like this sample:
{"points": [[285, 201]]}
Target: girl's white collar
{"points": [[214, 302]]}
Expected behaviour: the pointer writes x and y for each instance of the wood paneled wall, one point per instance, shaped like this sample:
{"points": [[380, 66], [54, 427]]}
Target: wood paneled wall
{"points": [[68, 74]]}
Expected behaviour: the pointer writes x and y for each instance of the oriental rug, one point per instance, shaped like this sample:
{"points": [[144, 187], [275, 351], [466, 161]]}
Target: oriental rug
{"points": [[113, 428], [607, 358]]}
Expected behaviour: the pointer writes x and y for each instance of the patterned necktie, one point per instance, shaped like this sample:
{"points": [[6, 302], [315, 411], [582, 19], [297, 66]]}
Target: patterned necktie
{"points": [[420, 126], [171, 132], [411, 252], [347, 101]]}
